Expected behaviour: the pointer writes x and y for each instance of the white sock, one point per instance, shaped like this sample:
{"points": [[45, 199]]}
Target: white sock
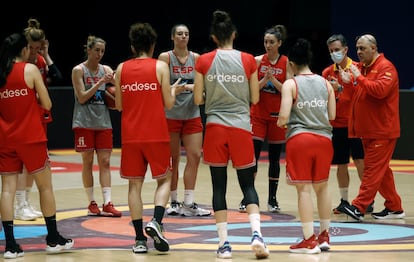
{"points": [[89, 194], [307, 229], [222, 232], [324, 225], [188, 197], [20, 197], [255, 223], [343, 191], [106, 192]]}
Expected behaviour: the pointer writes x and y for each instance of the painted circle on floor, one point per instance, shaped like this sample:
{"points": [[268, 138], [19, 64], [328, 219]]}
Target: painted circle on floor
{"points": [[199, 233]]}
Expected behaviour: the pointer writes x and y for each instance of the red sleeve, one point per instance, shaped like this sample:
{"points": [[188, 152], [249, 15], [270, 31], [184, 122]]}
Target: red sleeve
{"points": [[204, 62], [326, 72], [249, 64]]}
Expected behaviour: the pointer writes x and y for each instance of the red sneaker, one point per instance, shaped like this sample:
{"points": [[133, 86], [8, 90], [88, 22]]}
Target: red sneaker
{"points": [[109, 210], [307, 246], [323, 240], [93, 209]]}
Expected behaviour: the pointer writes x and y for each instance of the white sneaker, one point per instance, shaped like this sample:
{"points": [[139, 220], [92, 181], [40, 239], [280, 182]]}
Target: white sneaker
{"points": [[259, 247], [23, 212], [174, 209], [34, 210], [194, 210]]}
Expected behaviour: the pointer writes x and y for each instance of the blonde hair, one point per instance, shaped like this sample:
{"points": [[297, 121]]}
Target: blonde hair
{"points": [[33, 32]]}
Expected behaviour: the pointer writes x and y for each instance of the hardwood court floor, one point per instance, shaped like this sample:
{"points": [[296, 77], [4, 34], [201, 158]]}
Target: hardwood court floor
{"points": [[195, 239]]}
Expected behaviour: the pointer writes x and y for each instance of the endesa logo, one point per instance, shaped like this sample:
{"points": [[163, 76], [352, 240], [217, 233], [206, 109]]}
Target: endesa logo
{"points": [[226, 78], [139, 87], [312, 103], [13, 93]]}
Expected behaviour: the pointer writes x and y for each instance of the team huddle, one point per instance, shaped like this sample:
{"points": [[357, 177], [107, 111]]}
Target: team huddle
{"points": [[322, 119]]}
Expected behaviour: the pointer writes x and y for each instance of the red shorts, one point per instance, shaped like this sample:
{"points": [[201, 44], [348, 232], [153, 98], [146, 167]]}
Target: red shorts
{"points": [[34, 156], [135, 157], [91, 139], [267, 128], [222, 143], [308, 158], [189, 126]]}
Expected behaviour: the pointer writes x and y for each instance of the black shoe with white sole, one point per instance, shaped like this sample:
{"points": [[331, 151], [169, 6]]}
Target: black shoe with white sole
{"points": [[388, 214], [353, 212]]}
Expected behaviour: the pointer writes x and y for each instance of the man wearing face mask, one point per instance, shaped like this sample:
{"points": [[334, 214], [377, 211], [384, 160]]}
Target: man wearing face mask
{"points": [[344, 147]]}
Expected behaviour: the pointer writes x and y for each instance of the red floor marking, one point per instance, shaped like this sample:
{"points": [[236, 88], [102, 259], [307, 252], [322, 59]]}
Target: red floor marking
{"points": [[173, 235], [123, 226], [101, 242], [111, 225], [89, 242]]}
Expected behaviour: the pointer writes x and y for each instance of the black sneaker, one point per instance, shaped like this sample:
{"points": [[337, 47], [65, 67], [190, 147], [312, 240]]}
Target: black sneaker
{"points": [[59, 245], [370, 208], [340, 208], [273, 207], [353, 212], [13, 251], [242, 207], [140, 247], [388, 214], [155, 231]]}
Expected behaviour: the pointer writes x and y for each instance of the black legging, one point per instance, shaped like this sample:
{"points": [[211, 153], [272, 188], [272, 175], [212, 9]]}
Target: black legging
{"points": [[219, 182], [274, 151]]}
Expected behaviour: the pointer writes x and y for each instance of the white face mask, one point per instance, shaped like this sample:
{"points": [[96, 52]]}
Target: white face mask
{"points": [[337, 57]]}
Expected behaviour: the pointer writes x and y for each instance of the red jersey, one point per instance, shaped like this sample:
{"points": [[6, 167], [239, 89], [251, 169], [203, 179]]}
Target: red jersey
{"points": [[20, 119], [270, 97], [344, 97], [375, 105], [143, 118]]}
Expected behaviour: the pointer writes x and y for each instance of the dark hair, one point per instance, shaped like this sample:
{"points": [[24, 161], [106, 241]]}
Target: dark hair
{"points": [[300, 53], [279, 31], [222, 27], [11, 48], [142, 37], [337, 37], [174, 28], [33, 31]]}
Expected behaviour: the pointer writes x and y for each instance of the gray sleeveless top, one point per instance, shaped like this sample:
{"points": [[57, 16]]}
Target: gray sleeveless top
{"points": [[94, 114], [184, 107], [227, 92], [310, 110]]}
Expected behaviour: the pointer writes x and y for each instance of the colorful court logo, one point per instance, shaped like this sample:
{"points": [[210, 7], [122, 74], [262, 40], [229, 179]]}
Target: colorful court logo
{"points": [[199, 233]]}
